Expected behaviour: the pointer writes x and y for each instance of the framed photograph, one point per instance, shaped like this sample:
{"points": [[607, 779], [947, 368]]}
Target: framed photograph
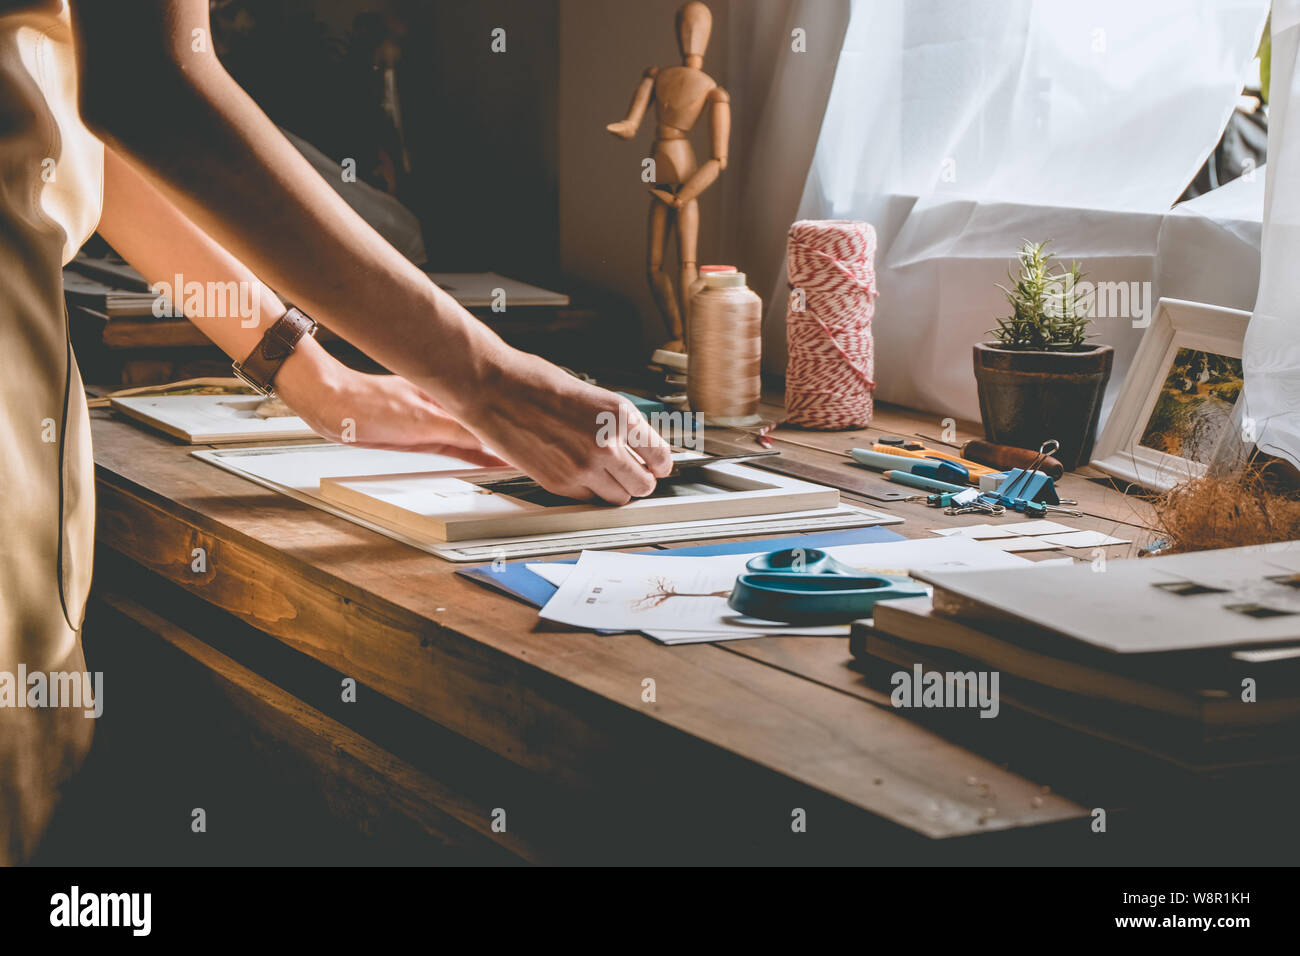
{"points": [[1179, 402]]}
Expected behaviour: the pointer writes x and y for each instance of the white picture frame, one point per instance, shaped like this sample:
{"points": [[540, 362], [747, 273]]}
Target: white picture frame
{"points": [[1176, 326], [438, 508]]}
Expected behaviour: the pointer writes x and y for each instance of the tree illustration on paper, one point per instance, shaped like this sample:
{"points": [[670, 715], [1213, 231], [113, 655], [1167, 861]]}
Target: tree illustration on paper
{"points": [[663, 589]]}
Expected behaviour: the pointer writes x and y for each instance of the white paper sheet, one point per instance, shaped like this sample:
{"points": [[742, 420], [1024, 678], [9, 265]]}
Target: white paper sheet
{"points": [[551, 573], [988, 532], [1036, 526], [1021, 542], [1084, 539], [977, 532]]}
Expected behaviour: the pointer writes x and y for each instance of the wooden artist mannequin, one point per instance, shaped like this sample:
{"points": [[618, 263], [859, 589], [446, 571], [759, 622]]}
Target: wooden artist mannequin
{"points": [[680, 95]]}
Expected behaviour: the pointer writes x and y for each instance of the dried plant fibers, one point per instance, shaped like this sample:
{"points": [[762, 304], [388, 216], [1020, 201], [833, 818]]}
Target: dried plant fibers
{"points": [[1226, 511], [724, 350], [830, 375]]}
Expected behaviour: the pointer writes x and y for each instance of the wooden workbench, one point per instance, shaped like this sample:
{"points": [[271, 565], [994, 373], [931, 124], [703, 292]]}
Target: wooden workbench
{"points": [[467, 713]]}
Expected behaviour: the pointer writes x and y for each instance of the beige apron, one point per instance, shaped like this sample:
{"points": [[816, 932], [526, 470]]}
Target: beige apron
{"points": [[51, 178]]}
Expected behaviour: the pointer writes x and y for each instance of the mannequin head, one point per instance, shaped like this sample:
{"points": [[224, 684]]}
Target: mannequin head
{"points": [[694, 22]]}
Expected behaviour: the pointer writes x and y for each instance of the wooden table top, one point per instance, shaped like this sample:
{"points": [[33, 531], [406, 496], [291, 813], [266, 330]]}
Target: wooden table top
{"points": [[475, 661]]}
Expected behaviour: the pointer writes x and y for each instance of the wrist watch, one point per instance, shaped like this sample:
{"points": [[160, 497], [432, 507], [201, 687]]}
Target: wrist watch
{"points": [[262, 364]]}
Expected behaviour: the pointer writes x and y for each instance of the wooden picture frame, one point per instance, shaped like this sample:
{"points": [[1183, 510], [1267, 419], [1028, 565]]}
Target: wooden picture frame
{"points": [[1149, 449], [433, 506]]}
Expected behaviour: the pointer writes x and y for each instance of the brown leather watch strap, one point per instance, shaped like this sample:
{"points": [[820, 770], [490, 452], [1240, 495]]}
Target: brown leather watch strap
{"points": [[277, 344]]}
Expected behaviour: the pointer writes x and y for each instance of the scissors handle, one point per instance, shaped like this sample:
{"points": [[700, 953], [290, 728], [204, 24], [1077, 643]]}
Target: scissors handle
{"points": [[802, 598]]}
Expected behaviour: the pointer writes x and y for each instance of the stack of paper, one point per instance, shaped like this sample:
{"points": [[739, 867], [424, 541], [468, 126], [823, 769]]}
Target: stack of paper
{"points": [[211, 419], [299, 470], [683, 600]]}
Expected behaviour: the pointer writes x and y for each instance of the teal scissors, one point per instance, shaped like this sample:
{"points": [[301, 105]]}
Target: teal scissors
{"points": [[808, 586]]}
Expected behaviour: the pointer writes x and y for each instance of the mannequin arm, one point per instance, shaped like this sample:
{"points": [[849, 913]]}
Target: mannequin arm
{"points": [[627, 127]]}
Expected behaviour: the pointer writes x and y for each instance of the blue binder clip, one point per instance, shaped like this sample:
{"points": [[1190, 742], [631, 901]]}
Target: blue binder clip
{"points": [[1028, 490], [1023, 485]]}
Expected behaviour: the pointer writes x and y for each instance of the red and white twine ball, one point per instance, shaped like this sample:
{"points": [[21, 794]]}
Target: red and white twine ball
{"points": [[830, 375]]}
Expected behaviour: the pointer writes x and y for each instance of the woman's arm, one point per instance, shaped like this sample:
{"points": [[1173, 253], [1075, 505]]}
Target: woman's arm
{"points": [[155, 92], [386, 411]]}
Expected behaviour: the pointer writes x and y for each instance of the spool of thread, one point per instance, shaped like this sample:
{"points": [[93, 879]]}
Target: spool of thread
{"points": [[724, 345], [694, 288], [830, 375]]}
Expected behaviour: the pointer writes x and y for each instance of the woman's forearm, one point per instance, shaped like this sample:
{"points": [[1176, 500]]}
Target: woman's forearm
{"points": [[233, 308]]}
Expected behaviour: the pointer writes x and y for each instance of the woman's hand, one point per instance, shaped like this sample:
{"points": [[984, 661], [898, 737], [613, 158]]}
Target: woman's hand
{"points": [[372, 411], [575, 439]]}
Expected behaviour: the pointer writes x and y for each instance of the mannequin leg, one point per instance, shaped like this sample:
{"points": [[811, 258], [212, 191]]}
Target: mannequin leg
{"points": [[688, 235], [661, 285]]}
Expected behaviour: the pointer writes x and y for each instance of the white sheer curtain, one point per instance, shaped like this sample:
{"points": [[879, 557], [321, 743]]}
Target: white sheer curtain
{"points": [[774, 126], [960, 127], [1271, 359]]}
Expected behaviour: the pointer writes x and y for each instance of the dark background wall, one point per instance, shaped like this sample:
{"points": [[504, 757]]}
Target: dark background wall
{"points": [[480, 126], [483, 127]]}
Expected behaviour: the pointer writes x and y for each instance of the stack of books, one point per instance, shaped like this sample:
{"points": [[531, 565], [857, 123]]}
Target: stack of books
{"points": [[117, 338], [1192, 659], [125, 334]]}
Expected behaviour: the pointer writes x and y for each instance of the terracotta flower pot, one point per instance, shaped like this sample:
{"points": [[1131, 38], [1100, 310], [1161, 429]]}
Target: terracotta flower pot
{"points": [[1028, 397]]}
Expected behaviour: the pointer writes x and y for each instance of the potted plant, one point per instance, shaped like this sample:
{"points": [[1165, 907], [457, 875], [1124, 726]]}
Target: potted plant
{"points": [[1040, 378]]}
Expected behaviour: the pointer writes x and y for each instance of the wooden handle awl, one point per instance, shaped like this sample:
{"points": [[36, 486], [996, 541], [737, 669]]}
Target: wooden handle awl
{"points": [[1006, 457]]}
